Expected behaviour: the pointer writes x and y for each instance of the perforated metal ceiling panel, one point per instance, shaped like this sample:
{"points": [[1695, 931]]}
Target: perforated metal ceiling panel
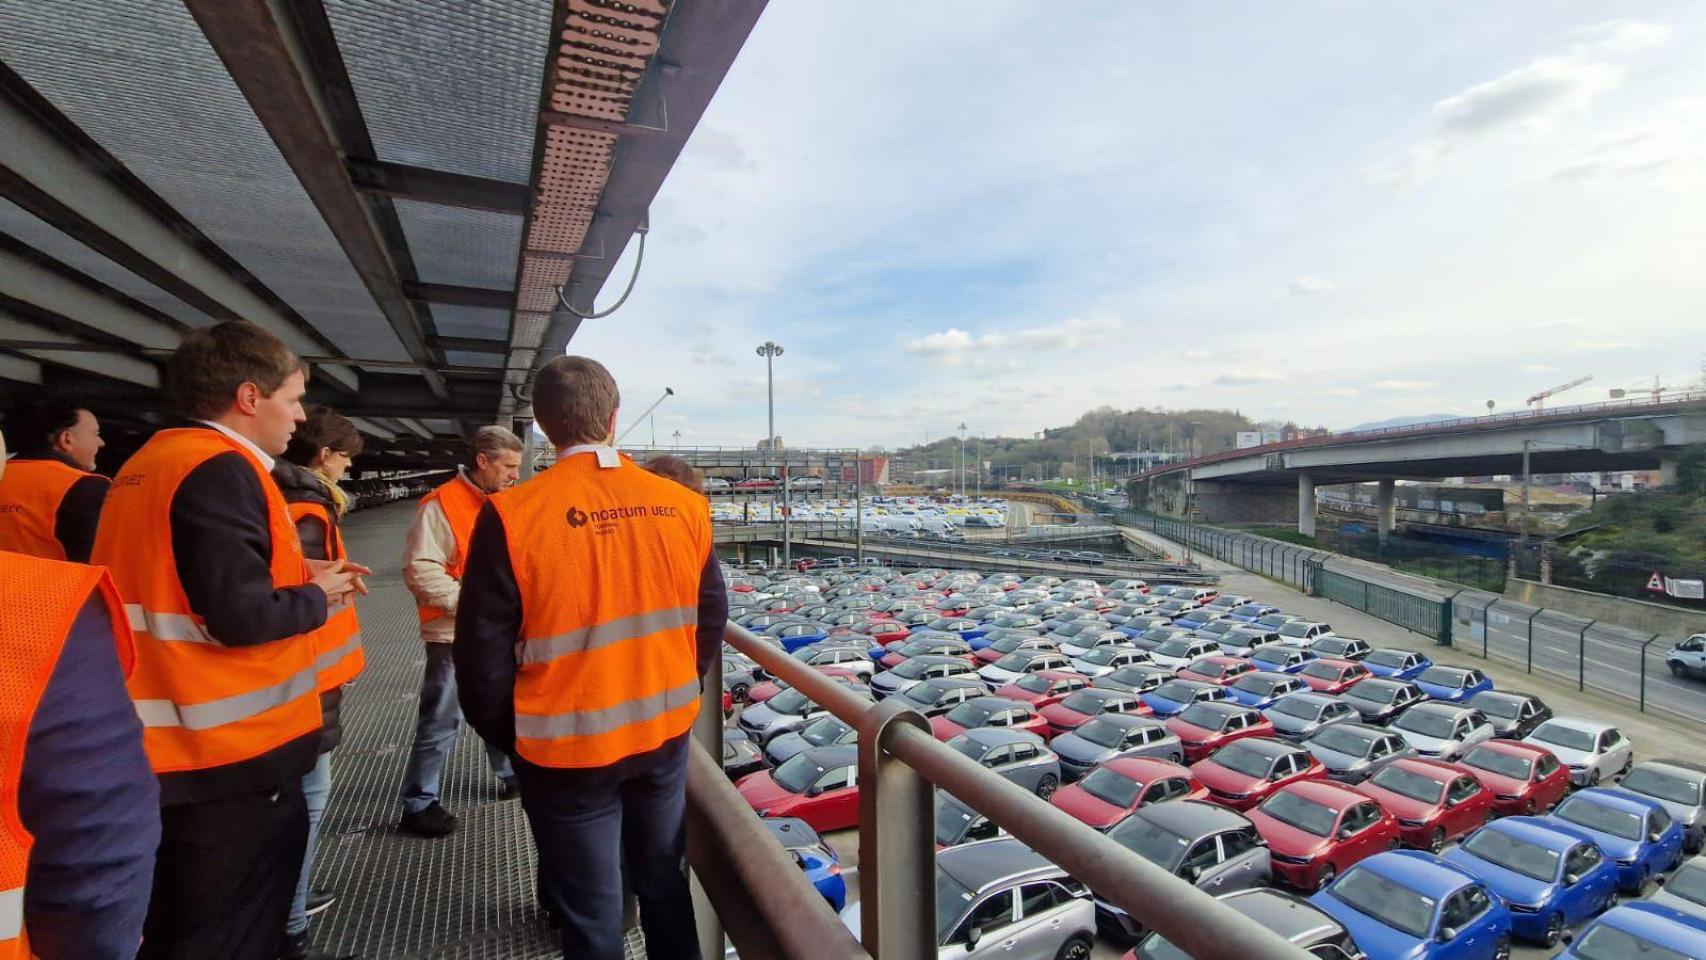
{"points": [[482, 322], [464, 359], [447, 84], [22, 225], [470, 248], [139, 77]]}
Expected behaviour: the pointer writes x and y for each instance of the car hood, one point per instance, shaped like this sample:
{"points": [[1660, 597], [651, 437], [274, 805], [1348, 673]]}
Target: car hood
{"points": [[1513, 886], [1565, 755], [1686, 814], [1071, 746], [1441, 693], [761, 792], [945, 729], [1097, 813], [1220, 779], [1374, 937], [785, 747], [758, 716], [1500, 784], [1062, 717], [1424, 743], [1286, 839], [1401, 806]]}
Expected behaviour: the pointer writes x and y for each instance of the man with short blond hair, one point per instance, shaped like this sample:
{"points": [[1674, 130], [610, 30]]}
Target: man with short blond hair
{"points": [[435, 558], [593, 606]]}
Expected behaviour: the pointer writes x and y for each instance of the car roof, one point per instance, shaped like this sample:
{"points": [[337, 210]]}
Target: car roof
{"points": [[1286, 914], [1440, 706], [1145, 768], [1421, 872], [1192, 818], [928, 658], [1516, 747], [1687, 766], [1000, 736], [1325, 792], [1502, 695], [1578, 723], [791, 831], [835, 755], [1617, 799], [1433, 768], [1224, 707], [984, 862], [954, 683], [998, 703], [1266, 747], [1310, 696], [1664, 926], [1535, 830]]}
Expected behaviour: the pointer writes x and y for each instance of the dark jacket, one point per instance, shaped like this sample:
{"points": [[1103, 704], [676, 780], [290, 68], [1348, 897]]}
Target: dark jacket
{"points": [[302, 485], [79, 512]]}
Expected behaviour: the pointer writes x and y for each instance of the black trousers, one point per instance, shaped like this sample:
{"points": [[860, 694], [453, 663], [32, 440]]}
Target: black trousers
{"points": [[590, 827], [224, 876]]}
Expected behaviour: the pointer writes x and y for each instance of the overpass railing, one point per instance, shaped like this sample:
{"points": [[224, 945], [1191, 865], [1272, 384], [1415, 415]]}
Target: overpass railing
{"points": [[1285, 562], [972, 554], [901, 765]]}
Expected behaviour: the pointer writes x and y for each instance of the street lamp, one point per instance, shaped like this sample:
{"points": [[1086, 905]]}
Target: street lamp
{"points": [[962, 459], [677, 436], [770, 350]]}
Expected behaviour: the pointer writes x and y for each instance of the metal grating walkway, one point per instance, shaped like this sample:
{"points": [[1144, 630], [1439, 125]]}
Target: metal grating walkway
{"points": [[465, 897]]}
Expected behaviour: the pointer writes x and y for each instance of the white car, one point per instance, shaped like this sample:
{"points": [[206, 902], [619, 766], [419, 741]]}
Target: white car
{"points": [[1592, 751], [1302, 633], [1442, 731], [1020, 662], [1175, 654], [716, 483], [1688, 658]]}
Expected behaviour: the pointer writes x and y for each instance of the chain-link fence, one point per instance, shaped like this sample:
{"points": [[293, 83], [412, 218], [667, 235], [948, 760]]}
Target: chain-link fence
{"points": [[1285, 562]]}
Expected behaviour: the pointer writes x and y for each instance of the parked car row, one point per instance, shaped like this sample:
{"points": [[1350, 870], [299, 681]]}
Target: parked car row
{"points": [[364, 494]]}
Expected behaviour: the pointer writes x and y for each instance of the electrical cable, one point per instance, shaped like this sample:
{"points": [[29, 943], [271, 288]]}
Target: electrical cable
{"points": [[639, 258]]}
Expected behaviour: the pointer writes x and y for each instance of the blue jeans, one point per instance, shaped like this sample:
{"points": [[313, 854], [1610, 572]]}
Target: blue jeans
{"points": [[316, 788], [436, 727]]}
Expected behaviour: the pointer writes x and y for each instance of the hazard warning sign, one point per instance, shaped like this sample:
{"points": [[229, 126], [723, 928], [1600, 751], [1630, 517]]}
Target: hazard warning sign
{"points": [[1656, 583]]}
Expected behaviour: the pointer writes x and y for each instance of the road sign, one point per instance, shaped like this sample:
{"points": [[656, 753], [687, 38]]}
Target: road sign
{"points": [[1656, 583]]}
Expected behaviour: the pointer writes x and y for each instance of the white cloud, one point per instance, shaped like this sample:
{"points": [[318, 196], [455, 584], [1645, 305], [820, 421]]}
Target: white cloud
{"points": [[1069, 334], [1555, 323], [1604, 345], [1342, 392], [1244, 378], [951, 340], [1305, 286], [1534, 97], [1538, 368], [1621, 37], [1403, 385], [1198, 354]]}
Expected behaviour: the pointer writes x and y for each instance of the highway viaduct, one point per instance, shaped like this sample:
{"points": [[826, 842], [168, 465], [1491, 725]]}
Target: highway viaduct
{"points": [[1276, 482]]}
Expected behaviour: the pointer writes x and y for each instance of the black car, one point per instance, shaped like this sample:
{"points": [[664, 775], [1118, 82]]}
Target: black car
{"points": [[1380, 700], [1514, 715], [741, 755]]}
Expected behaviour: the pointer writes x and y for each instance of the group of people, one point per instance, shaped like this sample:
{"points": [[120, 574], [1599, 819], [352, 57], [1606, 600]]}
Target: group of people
{"points": [[177, 641]]}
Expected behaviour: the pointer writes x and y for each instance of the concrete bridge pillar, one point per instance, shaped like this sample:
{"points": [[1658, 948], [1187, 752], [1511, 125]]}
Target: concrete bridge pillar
{"points": [[1667, 469], [1306, 504], [1385, 508]]}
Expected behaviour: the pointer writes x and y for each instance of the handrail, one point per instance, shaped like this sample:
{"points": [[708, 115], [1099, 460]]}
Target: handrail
{"points": [[1190, 918]]}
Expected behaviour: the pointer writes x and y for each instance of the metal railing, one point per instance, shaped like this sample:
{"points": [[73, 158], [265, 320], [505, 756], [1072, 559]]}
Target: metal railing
{"points": [[1285, 562], [900, 763], [906, 551]]}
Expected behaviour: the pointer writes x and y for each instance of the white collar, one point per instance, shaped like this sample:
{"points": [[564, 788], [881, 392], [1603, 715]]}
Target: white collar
{"points": [[261, 455], [608, 458]]}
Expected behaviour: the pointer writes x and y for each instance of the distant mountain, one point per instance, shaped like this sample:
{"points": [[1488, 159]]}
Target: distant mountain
{"points": [[1401, 422]]}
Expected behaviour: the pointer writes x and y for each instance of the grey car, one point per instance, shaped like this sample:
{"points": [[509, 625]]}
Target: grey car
{"points": [[1137, 678], [1353, 752], [957, 823], [1114, 735], [853, 656], [739, 675], [936, 697], [1295, 919], [1379, 700], [1210, 846], [1685, 891], [1242, 641], [930, 666], [1341, 648], [1675, 785], [786, 712], [1442, 731], [1001, 899], [1017, 755], [1104, 660], [1297, 716], [1513, 714], [825, 731]]}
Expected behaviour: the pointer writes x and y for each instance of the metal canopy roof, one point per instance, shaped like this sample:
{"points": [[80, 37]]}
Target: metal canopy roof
{"points": [[397, 189]]}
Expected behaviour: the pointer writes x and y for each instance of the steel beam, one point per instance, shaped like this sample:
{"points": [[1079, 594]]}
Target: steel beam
{"points": [[470, 345], [416, 427], [435, 186], [488, 297], [117, 366], [19, 370], [30, 282], [266, 59]]}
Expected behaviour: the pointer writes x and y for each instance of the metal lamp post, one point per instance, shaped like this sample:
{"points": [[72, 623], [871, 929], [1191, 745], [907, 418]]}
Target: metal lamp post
{"points": [[962, 459], [770, 350]]}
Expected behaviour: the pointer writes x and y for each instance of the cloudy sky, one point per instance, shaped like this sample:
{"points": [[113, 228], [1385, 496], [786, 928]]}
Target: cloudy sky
{"points": [[1009, 213]]}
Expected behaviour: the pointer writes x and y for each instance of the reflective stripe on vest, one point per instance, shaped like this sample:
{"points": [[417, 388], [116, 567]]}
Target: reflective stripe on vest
{"points": [[461, 502], [607, 562], [43, 599], [338, 654], [203, 704], [30, 494]]}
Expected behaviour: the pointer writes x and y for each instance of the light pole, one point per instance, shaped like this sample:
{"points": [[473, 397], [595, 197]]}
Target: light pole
{"points": [[962, 459], [677, 436], [770, 350], [980, 467]]}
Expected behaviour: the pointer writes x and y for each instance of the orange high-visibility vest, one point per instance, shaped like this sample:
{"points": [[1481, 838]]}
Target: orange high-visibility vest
{"points": [[30, 494], [607, 562], [461, 502], [202, 704], [338, 656], [43, 599]]}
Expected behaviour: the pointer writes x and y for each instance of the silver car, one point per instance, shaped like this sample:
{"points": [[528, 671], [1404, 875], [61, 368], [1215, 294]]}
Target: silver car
{"points": [[1210, 846], [1685, 891], [1015, 665], [786, 712], [826, 731], [1137, 678], [957, 823], [1675, 785], [1105, 660], [1442, 731], [1592, 751], [1017, 755], [936, 697], [1000, 899], [1353, 752], [917, 670], [1297, 716], [1114, 735], [1082, 636]]}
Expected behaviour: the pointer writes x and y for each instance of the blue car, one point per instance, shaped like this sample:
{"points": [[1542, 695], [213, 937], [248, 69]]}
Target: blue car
{"points": [[795, 634], [1453, 684], [1199, 617], [1550, 880], [1250, 612], [1640, 931], [1409, 905], [1394, 664], [1262, 688], [1632, 830], [1171, 698], [1279, 658], [811, 855]]}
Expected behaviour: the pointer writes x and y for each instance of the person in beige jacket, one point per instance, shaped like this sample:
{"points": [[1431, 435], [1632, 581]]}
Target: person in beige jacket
{"points": [[433, 557]]}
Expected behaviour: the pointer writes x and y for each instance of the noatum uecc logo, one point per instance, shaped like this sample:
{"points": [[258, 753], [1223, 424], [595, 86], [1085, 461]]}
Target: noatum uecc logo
{"points": [[577, 518]]}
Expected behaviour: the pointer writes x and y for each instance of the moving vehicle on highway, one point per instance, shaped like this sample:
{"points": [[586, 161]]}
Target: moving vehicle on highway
{"points": [[1688, 658]]}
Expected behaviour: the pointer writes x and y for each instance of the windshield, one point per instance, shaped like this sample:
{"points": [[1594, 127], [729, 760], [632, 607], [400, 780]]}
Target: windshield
{"points": [[1529, 859], [1149, 841], [1260, 686], [1374, 692], [1275, 656], [952, 820], [1178, 649], [1497, 707], [1177, 691], [1102, 733], [1426, 723], [1663, 786], [1100, 656], [1443, 677], [912, 669], [1296, 628], [1391, 659], [1353, 743], [1583, 812], [824, 731], [1204, 716], [1569, 738], [1035, 683], [790, 701], [951, 901], [1321, 671], [1013, 663], [1299, 709], [1083, 702], [1250, 610], [1408, 783], [799, 772], [1606, 942], [1503, 764], [1689, 883], [968, 747], [1395, 905], [1306, 815], [969, 714], [1247, 760], [924, 693], [1110, 787]]}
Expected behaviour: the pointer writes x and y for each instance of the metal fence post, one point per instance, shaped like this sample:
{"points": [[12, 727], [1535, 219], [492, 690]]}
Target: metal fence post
{"points": [[1644, 647], [897, 841], [1581, 651], [1529, 665]]}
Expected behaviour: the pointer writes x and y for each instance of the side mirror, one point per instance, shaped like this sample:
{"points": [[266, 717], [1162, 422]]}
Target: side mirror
{"points": [[1571, 879], [973, 937], [814, 790], [1446, 934], [1655, 836], [1660, 880], [1568, 938], [1345, 833]]}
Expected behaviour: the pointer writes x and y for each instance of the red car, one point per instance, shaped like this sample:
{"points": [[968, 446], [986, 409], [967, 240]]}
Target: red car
{"points": [[1013, 644], [988, 712], [925, 646], [1316, 828], [819, 786], [1113, 790], [1523, 777], [1044, 687], [1434, 802], [1203, 728], [1241, 775], [1221, 671], [1074, 710], [1332, 676]]}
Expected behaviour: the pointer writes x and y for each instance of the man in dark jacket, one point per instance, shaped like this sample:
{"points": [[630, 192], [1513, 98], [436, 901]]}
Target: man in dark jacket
{"points": [[50, 501]]}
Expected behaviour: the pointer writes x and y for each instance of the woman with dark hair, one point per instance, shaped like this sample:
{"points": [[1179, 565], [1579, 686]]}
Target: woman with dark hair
{"points": [[318, 456]]}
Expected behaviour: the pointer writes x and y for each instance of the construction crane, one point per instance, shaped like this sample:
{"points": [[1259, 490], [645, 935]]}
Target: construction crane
{"points": [[1538, 401], [1656, 389]]}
